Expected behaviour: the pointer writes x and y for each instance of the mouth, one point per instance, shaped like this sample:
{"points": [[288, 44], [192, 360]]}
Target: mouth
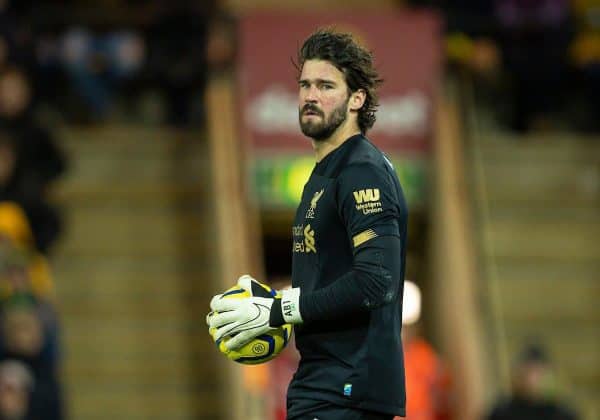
{"points": [[311, 114], [310, 111]]}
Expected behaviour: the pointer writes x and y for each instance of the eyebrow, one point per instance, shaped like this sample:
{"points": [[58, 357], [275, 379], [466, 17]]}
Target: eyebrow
{"points": [[318, 81]]}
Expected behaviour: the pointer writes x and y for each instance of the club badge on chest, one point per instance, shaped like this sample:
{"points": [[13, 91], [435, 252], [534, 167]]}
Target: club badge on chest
{"points": [[310, 213]]}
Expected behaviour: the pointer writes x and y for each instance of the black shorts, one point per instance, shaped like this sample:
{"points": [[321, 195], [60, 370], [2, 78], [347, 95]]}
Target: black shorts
{"points": [[328, 411]]}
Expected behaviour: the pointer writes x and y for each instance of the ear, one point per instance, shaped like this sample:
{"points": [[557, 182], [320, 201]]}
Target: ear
{"points": [[357, 99]]}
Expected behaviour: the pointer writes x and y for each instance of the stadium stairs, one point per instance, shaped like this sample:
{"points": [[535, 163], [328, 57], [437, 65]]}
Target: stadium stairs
{"points": [[538, 217], [133, 274]]}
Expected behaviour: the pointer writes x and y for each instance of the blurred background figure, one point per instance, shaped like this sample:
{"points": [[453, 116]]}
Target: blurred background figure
{"points": [[585, 57], [428, 386], [16, 384], [534, 37], [177, 37], [534, 391], [30, 158], [101, 64]]}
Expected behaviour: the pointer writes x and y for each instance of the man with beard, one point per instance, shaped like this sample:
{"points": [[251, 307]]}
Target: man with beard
{"points": [[349, 243]]}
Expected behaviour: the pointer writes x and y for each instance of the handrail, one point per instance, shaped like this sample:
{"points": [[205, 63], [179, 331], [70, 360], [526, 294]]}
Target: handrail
{"points": [[236, 238], [489, 268], [454, 291]]}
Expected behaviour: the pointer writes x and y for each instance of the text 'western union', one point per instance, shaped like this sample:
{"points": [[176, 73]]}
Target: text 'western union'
{"points": [[367, 201]]}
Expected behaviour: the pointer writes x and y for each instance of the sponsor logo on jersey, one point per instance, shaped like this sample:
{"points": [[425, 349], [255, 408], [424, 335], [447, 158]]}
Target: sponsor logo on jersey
{"points": [[363, 196], [368, 201], [309, 239], [304, 239]]}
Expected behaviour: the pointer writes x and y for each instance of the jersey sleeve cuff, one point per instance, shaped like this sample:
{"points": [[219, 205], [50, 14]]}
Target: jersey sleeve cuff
{"points": [[290, 305]]}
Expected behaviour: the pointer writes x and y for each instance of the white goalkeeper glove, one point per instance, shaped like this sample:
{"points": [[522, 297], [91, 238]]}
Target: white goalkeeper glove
{"points": [[244, 319]]}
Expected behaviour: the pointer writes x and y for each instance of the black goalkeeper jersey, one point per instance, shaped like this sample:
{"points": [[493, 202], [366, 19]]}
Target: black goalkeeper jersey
{"points": [[351, 202]]}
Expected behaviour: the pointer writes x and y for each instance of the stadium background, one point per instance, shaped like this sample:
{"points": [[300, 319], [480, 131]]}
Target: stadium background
{"points": [[149, 156]]}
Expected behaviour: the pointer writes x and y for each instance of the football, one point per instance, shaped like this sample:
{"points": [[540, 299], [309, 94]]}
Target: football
{"points": [[264, 347]]}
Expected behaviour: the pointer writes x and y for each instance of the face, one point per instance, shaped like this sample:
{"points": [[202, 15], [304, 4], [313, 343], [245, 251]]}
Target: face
{"points": [[14, 94], [323, 99], [13, 399], [533, 379]]}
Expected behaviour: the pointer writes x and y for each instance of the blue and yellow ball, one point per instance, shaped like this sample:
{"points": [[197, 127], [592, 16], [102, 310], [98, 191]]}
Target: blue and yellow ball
{"points": [[263, 348]]}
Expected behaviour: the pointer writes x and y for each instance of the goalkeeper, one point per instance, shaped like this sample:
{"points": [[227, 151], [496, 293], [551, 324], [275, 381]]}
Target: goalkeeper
{"points": [[349, 243]]}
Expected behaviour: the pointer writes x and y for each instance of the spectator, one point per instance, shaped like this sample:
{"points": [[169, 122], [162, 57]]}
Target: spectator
{"points": [[585, 57], [534, 38], [29, 335], [98, 64], [16, 37], [531, 397], [30, 158], [16, 384], [16, 242], [177, 60]]}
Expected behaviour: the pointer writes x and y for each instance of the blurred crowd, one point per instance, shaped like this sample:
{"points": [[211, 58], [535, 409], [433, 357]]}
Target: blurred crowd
{"points": [[29, 329], [77, 63], [93, 61], [537, 62]]}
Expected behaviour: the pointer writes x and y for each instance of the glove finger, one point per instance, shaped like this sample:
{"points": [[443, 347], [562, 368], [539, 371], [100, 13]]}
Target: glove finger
{"points": [[240, 339], [245, 282], [222, 305], [209, 316], [255, 287], [224, 331], [221, 319], [215, 299], [212, 331]]}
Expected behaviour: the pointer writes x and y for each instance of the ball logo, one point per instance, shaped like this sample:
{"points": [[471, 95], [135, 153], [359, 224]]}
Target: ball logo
{"points": [[258, 348]]}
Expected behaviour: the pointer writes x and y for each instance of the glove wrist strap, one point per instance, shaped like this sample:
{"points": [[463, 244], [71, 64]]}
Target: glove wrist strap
{"points": [[290, 306]]}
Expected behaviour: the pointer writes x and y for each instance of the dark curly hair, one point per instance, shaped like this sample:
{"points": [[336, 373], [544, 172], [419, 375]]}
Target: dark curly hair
{"points": [[352, 59]]}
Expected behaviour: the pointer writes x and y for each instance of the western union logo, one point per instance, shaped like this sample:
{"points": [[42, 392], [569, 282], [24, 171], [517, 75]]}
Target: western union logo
{"points": [[365, 196], [363, 237]]}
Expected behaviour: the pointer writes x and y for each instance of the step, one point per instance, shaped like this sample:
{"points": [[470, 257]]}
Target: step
{"points": [[125, 402], [543, 181], [140, 369], [559, 300], [130, 169], [168, 334], [73, 194], [158, 306], [553, 271], [123, 225], [534, 146], [565, 241], [98, 269], [143, 233], [556, 213], [129, 138], [171, 287]]}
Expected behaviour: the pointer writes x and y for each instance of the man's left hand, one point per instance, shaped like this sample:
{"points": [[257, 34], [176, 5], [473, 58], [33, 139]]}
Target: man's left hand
{"points": [[239, 319]]}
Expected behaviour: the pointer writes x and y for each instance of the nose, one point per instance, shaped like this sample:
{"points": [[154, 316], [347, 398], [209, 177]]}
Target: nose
{"points": [[311, 95]]}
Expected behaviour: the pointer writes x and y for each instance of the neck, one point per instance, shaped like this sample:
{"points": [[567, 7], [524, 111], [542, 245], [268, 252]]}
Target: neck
{"points": [[323, 147]]}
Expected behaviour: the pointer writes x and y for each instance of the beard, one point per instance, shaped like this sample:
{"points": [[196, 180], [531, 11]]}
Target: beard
{"points": [[322, 130]]}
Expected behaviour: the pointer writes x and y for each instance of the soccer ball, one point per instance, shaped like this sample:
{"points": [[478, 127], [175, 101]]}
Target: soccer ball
{"points": [[264, 347]]}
